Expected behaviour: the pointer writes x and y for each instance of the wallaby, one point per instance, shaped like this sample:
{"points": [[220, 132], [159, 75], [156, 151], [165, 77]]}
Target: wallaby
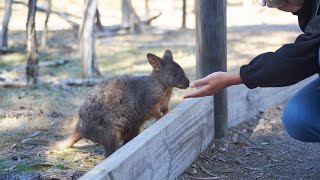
{"points": [[115, 109]]}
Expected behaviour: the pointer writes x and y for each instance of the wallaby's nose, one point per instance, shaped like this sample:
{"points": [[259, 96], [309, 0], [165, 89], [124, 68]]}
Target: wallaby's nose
{"points": [[185, 84]]}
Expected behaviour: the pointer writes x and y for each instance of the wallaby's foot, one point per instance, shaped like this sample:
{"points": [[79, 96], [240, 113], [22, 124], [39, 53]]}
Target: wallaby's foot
{"points": [[108, 152], [70, 141], [165, 111]]}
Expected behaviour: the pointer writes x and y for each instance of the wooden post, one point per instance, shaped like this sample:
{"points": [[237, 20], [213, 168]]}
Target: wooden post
{"points": [[212, 52]]}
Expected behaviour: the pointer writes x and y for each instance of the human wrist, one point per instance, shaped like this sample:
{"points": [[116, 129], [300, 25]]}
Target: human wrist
{"points": [[233, 78]]}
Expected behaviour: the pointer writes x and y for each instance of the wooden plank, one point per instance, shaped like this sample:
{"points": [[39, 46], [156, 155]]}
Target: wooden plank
{"points": [[211, 45], [165, 149], [245, 103]]}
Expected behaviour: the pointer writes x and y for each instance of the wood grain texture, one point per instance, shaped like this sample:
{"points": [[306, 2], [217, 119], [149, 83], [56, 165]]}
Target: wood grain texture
{"points": [[211, 48], [165, 149]]}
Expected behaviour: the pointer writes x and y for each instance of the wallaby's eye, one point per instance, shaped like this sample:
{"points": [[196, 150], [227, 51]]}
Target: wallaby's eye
{"points": [[174, 74]]}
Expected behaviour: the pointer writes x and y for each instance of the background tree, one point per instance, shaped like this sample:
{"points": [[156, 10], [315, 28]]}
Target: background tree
{"points": [[4, 32], [87, 39], [45, 29], [98, 20], [32, 68], [130, 17], [147, 8], [184, 13]]}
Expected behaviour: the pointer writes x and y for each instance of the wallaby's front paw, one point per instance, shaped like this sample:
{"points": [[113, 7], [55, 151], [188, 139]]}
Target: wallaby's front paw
{"points": [[165, 111]]}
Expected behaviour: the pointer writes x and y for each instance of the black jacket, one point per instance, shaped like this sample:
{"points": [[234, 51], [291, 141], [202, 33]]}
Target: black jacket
{"points": [[292, 62]]}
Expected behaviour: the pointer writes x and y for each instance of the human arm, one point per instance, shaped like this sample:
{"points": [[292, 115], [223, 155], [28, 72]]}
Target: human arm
{"points": [[213, 83], [292, 62]]}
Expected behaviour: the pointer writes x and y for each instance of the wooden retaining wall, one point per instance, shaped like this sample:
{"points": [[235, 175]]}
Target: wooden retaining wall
{"points": [[168, 147]]}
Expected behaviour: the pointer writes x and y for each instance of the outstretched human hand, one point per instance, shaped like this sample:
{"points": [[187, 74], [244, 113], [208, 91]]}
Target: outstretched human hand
{"points": [[213, 83]]}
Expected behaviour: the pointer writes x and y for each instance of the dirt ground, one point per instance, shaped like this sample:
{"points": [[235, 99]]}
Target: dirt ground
{"points": [[257, 149]]}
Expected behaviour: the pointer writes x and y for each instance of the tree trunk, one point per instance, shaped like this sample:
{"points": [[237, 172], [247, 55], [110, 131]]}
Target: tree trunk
{"points": [[45, 29], [130, 17], [5, 23], [87, 39], [184, 13], [98, 20], [32, 68], [147, 9]]}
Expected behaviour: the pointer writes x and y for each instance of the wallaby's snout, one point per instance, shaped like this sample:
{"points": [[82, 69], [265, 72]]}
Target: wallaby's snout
{"points": [[185, 84]]}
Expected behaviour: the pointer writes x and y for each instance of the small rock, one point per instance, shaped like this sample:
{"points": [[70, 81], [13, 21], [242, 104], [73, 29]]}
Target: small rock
{"points": [[224, 147], [194, 171], [244, 131], [264, 143], [55, 114], [22, 95], [235, 138], [34, 134], [213, 146]]}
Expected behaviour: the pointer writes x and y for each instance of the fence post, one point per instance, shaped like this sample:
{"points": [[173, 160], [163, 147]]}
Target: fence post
{"points": [[212, 53]]}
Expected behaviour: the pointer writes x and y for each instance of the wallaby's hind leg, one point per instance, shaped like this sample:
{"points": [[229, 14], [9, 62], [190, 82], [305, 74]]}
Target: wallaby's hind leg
{"points": [[70, 141], [131, 135], [108, 137], [111, 142]]}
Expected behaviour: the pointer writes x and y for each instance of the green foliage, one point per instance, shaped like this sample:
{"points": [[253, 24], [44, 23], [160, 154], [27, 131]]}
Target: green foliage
{"points": [[23, 167]]}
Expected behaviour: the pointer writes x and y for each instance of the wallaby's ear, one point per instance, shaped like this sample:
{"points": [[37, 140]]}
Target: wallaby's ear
{"points": [[167, 55], [154, 61]]}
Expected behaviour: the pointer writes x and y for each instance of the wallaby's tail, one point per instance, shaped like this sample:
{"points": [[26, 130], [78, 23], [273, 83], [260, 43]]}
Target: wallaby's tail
{"points": [[69, 142]]}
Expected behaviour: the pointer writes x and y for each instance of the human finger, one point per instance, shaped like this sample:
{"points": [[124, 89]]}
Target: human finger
{"points": [[197, 93], [199, 82]]}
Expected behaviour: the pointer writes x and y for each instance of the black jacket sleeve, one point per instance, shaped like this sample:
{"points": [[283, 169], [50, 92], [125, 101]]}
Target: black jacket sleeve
{"points": [[289, 64]]}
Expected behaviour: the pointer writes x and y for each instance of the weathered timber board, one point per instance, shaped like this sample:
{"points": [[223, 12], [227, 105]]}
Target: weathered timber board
{"points": [[165, 149], [244, 103]]}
